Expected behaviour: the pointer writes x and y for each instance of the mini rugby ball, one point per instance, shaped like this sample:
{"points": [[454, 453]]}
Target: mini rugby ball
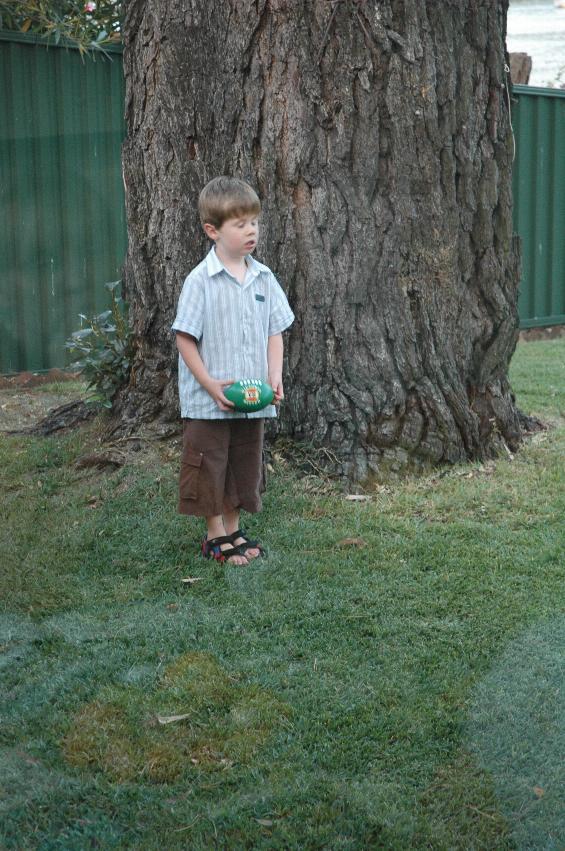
{"points": [[249, 395]]}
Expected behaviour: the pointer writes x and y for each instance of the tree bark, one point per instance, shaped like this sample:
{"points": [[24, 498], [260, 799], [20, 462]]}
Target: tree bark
{"points": [[378, 137]]}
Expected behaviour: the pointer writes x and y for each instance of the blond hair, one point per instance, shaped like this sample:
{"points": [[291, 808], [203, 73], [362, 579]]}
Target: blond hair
{"points": [[226, 198]]}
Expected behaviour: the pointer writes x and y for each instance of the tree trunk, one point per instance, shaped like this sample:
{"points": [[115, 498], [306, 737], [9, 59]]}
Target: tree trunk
{"points": [[378, 137]]}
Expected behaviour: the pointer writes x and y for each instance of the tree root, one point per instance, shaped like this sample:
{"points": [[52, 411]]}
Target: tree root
{"points": [[65, 416], [530, 425]]}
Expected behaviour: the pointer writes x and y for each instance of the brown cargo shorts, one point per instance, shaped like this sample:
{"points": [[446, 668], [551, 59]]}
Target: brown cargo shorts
{"points": [[221, 466]]}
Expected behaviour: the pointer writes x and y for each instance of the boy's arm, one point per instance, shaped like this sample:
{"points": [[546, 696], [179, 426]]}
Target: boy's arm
{"points": [[275, 348], [186, 344]]}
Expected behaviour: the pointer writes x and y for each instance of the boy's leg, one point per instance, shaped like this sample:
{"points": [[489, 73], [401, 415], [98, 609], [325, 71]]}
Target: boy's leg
{"points": [[203, 474], [244, 483]]}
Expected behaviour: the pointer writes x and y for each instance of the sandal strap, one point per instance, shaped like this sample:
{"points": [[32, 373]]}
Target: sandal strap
{"points": [[223, 539], [247, 542], [233, 551], [211, 548]]}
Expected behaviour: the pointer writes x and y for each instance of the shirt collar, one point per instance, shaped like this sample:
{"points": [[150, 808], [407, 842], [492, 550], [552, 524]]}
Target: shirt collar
{"points": [[254, 266], [215, 265]]}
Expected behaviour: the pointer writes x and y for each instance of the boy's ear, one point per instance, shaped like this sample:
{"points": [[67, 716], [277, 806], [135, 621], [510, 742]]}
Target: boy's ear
{"points": [[210, 231]]}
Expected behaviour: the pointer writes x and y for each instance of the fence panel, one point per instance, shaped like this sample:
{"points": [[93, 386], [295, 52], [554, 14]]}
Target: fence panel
{"points": [[63, 229], [539, 202]]}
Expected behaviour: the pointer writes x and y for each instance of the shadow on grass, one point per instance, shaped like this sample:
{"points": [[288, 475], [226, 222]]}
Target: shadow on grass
{"points": [[517, 731]]}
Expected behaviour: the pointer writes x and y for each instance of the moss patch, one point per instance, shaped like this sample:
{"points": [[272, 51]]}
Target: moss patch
{"points": [[225, 722]]}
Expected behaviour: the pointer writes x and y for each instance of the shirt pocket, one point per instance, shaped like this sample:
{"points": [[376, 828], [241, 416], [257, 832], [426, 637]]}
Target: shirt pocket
{"points": [[260, 313], [190, 474]]}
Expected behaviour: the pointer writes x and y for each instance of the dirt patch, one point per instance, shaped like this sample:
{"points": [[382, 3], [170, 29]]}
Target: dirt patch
{"points": [[27, 397], [36, 379], [553, 333], [21, 408]]}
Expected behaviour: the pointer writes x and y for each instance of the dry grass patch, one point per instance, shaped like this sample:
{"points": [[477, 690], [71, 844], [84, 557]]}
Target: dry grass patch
{"points": [[199, 717]]}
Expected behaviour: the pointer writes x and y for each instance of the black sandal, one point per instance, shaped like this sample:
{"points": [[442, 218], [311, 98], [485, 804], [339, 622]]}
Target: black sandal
{"points": [[212, 548], [246, 545]]}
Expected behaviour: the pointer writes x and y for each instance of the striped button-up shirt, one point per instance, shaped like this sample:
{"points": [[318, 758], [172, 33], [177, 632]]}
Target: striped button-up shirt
{"points": [[232, 323]]}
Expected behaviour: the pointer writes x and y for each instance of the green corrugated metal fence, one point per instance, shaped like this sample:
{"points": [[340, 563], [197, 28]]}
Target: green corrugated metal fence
{"points": [[63, 231], [539, 203]]}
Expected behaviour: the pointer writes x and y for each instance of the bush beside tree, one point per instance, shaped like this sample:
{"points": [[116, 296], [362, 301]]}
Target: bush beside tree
{"points": [[87, 25]]}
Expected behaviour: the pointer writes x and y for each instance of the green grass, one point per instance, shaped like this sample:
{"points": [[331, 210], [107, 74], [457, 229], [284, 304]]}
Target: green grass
{"points": [[538, 377], [402, 694]]}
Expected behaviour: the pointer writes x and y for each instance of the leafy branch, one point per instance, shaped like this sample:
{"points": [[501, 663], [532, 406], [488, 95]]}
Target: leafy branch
{"points": [[86, 25]]}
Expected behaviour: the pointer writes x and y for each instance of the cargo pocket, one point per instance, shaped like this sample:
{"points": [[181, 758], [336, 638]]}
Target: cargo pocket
{"points": [[189, 474]]}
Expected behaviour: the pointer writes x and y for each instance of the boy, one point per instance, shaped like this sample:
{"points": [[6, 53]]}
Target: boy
{"points": [[230, 318]]}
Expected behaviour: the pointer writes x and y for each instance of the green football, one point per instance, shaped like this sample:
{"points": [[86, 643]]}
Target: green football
{"points": [[249, 395]]}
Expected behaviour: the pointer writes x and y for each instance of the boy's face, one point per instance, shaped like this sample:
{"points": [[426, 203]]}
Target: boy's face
{"points": [[236, 237]]}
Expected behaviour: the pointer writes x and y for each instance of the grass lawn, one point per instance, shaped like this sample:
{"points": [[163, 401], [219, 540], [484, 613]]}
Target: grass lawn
{"points": [[401, 691]]}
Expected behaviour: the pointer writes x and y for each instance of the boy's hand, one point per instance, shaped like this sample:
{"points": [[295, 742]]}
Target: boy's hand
{"points": [[277, 385], [215, 388]]}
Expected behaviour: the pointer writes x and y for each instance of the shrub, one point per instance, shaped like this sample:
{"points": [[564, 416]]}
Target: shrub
{"points": [[105, 348]]}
